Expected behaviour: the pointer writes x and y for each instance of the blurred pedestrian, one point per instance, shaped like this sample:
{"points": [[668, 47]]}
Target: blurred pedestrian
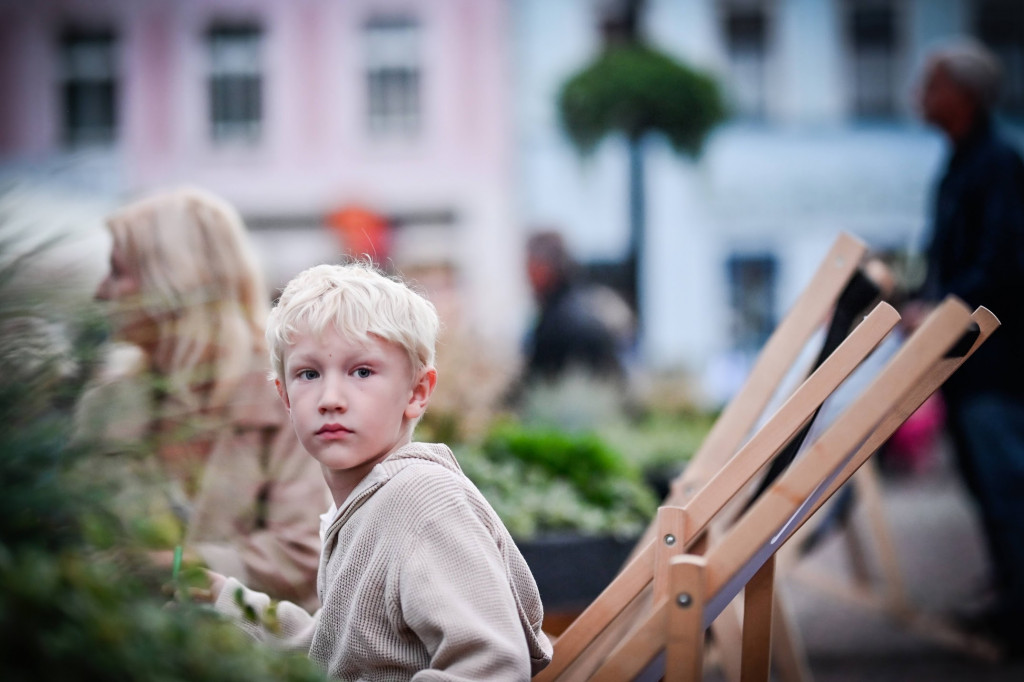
{"points": [[188, 302], [977, 253], [582, 331], [570, 331]]}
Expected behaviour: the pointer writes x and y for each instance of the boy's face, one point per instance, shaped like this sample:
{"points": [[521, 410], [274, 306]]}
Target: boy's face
{"points": [[351, 403]]}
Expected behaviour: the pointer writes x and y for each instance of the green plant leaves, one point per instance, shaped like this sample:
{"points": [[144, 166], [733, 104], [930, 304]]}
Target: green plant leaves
{"points": [[543, 480], [635, 89]]}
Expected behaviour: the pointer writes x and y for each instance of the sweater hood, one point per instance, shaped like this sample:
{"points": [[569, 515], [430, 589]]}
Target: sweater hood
{"points": [[521, 582], [437, 453], [405, 456]]}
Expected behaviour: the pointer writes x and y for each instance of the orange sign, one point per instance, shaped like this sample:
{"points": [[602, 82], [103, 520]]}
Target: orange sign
{"points": [[362, 232]]}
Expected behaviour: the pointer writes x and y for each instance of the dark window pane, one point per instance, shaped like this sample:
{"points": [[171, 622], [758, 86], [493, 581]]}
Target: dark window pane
{"points": [[872, 32], [235, 82], [393, 76], [746, 37], [88, 87], [752, 281]]}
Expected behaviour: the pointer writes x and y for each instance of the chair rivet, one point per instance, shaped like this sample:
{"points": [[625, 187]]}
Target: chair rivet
{"points": [[684, 600], [670, 539]]}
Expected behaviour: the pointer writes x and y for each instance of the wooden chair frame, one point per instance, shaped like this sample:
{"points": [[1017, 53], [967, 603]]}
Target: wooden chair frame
{"points": [[825, 294], [629, 594], [831, 292], [690, 590]]}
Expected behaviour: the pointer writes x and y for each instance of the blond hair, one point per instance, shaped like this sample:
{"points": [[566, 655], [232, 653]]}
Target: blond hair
{"points": [[200, 285], [360, 301]]}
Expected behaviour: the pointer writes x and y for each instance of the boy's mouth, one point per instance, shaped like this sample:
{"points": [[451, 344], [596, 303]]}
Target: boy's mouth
{"points": [[332, 429]]}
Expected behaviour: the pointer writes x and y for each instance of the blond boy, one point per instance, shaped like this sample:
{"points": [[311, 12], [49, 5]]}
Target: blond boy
{"points": [[418, 578]]}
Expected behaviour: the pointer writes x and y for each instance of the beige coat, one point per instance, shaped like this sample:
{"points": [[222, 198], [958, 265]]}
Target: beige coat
{"points": [[250, 509], [419, 580]]}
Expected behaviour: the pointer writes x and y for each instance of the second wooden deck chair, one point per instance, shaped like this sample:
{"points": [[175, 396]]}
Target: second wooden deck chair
{"points": [[836, 296], [619, 604], [690, 590]]}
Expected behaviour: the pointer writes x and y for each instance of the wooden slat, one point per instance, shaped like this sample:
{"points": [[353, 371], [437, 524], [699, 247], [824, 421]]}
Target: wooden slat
{"points": [[631, 656], [685, 626], [669, 542], [758, 598]]}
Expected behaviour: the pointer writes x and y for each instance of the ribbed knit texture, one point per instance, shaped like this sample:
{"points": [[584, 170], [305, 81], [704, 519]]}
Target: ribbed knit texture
{"points": [[419, 580]]}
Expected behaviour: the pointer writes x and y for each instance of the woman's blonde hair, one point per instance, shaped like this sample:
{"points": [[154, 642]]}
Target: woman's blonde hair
{"points": [[360, 301], [199, 284]]}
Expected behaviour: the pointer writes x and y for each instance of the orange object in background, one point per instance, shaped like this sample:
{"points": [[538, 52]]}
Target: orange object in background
{"points": [[362, 232]]}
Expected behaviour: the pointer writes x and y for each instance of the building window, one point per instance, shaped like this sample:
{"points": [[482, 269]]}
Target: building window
{"points": [[1000, 25], [872, 36], [746, 40], [393, 76], [88, 87], [752, 280], [236, 83]]}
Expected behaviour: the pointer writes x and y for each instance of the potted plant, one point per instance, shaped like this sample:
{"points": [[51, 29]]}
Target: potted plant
{"points": [[574, 504]]}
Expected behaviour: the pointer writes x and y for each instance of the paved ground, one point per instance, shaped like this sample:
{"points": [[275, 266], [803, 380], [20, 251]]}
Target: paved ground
{"points": [[939, 553]]}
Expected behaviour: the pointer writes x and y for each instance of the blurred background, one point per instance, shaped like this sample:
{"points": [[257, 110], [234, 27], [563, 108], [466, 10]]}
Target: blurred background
{"points": [[438, 135], [436, 123]]}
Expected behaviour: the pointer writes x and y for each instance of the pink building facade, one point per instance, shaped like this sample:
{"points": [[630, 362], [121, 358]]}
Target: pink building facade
{"points": [[293, 110]]}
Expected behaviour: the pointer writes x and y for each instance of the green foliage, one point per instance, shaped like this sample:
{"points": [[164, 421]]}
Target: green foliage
{"points": [[660, 443], [546, 480], [635, 89], [79, 599], [582, 459]]}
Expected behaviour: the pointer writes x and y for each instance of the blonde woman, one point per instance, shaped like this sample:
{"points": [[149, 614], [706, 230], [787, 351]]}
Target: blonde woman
{"points": [[188, 304]]}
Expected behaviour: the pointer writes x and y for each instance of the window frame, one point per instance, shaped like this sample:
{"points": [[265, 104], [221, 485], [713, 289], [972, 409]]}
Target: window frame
{"points": [[758, 58], [89, 90], [893, 61], [235, 93], [393, 83]]}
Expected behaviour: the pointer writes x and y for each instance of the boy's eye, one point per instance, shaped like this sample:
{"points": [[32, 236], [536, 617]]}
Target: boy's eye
{"points": [[363, 372], [308, 374]]}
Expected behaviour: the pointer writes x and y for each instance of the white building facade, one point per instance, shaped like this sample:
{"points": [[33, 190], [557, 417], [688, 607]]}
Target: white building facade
{"points": [[822, 139]]}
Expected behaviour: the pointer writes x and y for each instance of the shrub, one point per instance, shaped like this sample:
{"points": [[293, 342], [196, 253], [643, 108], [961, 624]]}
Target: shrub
{"points": [[78, 598], [543, 480]]}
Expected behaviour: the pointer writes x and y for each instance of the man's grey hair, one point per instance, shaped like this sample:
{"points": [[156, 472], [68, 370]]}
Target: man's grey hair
{"points": [[973, 67]]}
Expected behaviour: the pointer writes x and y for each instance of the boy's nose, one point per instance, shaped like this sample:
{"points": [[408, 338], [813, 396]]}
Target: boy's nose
{"points": [[332, 398]]}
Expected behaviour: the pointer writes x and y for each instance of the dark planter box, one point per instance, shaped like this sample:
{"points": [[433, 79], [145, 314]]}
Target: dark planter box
{"points": [[571, 570]]}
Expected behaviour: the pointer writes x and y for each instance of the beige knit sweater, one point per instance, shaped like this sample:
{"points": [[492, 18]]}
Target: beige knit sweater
{"points": [[419, 580]]}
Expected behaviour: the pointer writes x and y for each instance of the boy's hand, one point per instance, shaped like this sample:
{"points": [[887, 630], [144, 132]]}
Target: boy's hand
{"points": [[210, 594], [202, 593]]}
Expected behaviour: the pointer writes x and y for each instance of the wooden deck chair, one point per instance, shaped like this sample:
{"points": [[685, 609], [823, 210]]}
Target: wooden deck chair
{"points": [[691, 590], [630, 592], [837, 295], [886, 592]]}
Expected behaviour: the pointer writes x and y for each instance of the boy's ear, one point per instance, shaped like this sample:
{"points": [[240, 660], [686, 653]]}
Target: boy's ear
{"points": [[282, 392], [421, 391]]}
